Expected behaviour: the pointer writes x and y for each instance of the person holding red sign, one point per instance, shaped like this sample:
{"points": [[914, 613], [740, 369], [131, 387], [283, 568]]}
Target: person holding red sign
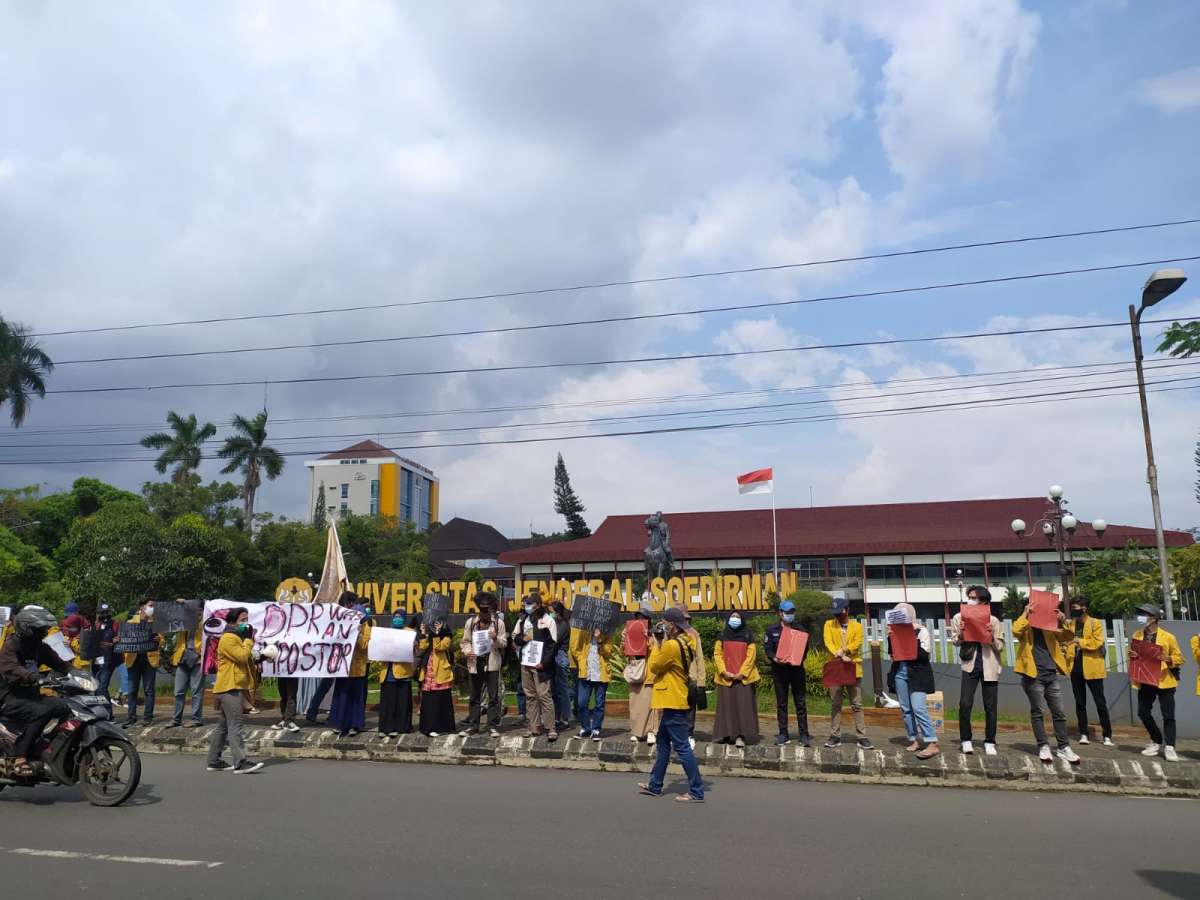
{"points": [[976, 634], [787, 671], [1169, 662], [1041, 657], [911, 677], [844, 641], [1089, 665], [737, 705], [643, 720]]}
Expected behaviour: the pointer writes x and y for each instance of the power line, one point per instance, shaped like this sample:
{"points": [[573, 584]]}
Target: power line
{"points": [[525, 367], [660, 279], [636, 317]]}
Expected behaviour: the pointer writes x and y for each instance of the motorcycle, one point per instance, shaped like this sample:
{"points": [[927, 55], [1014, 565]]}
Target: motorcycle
{"points": [[84, 748]]}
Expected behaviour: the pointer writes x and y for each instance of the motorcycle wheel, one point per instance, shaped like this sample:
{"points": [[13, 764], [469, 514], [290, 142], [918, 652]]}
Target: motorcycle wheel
{"points": [[109, 772]]}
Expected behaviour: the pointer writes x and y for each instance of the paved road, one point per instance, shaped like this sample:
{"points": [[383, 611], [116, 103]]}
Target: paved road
{"points": [[361, 830]]}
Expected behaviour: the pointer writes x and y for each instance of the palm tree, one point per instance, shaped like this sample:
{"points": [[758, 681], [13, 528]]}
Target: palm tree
{"points": [[23, 365], [181, 446], [246, 450]]}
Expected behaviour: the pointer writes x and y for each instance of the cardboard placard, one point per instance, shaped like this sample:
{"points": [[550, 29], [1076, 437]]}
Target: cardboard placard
{"points": [[391, 645], [171, 616], [634, 641], [89, 644], [793, 643], [734, 654], [589, 613], [531, 654], [1043, 610], [434, 608], [1146, 667], [903, 638], [839, 673], [976, 623], [135, 637]]}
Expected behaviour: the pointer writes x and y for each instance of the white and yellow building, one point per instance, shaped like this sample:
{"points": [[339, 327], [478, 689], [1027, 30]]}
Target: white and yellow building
{"points": [[368, 479]]}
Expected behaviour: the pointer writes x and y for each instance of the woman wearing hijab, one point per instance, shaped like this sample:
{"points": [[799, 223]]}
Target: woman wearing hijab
{"points": [[348, 711], [437, 680], [395, 691], [913, 680], [643, 721], [737, 706]]}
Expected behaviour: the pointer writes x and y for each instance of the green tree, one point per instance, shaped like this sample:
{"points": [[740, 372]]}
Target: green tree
{"points": [[383, 549], [1013, 603], [1117, 580], [1185, 567], [22, 569], [213, 501], [23, 367], [567, 504], [181, 446], [284, 550], [247, 452], [319, 509], [813, 607], [54, 513]]}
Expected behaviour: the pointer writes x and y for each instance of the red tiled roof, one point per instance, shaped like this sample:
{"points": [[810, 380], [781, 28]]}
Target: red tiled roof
{"points": [[955, 526], [368, 449]]}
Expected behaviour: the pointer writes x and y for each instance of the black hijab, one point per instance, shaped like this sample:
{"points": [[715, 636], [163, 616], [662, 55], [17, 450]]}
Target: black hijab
{"points": [[741, 635]]}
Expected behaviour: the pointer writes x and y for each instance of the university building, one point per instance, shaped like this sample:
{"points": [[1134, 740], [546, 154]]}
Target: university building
{"points": [[876, 555], [368, 479]]}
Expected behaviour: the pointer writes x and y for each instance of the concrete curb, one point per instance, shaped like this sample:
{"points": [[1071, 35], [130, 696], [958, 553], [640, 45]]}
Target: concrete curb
{"points": [[1009, 771]]}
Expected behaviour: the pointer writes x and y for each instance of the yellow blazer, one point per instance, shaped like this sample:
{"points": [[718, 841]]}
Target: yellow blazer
{"points": [[748, 671], [854, 640]]}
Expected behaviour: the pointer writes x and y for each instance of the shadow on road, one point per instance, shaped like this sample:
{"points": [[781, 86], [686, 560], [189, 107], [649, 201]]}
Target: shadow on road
{"points": [[50, 795], [1176, 884]]}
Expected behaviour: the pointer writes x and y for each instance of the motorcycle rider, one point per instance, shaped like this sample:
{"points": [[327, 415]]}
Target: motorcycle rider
{"points": [[20, 698]]}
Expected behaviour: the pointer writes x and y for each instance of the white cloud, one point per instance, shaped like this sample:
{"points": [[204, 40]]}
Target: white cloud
{"points": [[1174, 92]]}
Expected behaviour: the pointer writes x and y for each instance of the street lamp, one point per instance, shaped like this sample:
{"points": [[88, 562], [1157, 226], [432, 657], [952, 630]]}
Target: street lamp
{"points": [[1058, 526], [1160, 285]]}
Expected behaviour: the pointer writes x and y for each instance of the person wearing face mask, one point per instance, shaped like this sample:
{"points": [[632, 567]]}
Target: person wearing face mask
{"points": [[188, 659], [517, 640], [105, 662], [1164, 692], [735, 675], [540, 626], [1088, 668], [980, 664], [484, 673], [669, 663], [235, 676], [844, 640], [437, 679], [142, 665], [913, 682], [1041, 657], [643, 720], [787, 677], [348, 710], [395, 691], [590, 654], [22, 654]]}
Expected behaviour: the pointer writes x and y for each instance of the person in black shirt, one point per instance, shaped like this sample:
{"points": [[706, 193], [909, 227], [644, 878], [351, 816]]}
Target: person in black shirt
{"points": [[787, 678], [20, 697]]}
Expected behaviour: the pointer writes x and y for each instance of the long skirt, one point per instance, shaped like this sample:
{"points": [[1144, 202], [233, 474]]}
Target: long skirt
{"points": [[737, 713], [349, 708], [642, 719], [395, 706], [437, 712]]}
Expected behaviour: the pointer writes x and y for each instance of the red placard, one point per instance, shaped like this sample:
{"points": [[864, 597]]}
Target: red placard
{"points": [[1043, 610], [734, 654], [1146, 667], [903, 639], [792, 644], [634, 641], [838, 673], [977, 623]]}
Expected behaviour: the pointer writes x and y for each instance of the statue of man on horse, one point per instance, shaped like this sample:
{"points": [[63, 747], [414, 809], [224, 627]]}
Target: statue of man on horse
{"points": [[660, 561]]}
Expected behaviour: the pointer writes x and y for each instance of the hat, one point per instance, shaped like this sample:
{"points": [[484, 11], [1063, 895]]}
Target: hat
{"points": [[787, 606], [840, 604], [675, 616], [1151, 610], [72, 607], [104, 608], [645, 609]]}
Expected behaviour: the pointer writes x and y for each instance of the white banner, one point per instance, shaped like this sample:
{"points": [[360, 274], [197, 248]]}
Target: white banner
{"points": [[391, 645], [481, 643], [315, 640]]}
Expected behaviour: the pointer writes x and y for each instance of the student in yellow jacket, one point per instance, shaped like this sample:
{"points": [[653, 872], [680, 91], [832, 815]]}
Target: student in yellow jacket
{"points": [[188, 660], [735, 673], [1088, 663], [1164, 691], [669, 662], [590, 654], [1041, 656], [437, 680], [348, 710], [236, 656], [142, 668], [395, 690], [844, 640], [1195, 642]]}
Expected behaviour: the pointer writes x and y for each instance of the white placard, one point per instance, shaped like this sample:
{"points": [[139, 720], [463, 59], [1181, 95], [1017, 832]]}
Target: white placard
{"points": [[898, 617], [391, 645], [531, 654], [315, 640], [58, 644], [481, 643], [5, 615]]}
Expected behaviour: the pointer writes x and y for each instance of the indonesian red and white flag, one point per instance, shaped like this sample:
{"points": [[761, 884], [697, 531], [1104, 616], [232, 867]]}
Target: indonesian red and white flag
{"points": [[760, 481]]}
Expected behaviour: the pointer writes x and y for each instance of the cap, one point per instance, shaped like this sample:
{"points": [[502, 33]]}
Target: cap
{"points": [[840, 604], [1151, 610], [645, 609], [674, 615], [787, 606]]}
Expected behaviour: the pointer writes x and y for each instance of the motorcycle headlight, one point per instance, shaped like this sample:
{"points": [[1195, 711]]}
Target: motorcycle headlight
{"points": [[85, 682]]}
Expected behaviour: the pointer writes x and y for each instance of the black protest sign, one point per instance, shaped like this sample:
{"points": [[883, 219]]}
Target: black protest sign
{"points": [[172, 615], [135, 637], [590, 613], [89, 644], [435, 608]]}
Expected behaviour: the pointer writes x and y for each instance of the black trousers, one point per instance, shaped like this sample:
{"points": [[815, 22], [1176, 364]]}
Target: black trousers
{"points": [[395, 706], [790, 678], [1166, 702], [481, 681], [966, 703], [36, 714], [1080, 687], [289, 689]]}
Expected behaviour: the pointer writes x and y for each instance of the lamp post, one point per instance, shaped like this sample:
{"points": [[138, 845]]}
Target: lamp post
{"points": [[1161, 284], [1058, 526]]}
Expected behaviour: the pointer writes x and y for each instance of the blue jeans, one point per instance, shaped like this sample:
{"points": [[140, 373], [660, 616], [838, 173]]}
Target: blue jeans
{"points": [[673, 734], [122, 677], [914, 708], [315, 706], [591, 720], [189, 678], [103, 675], [141, 674], [562, 695]]}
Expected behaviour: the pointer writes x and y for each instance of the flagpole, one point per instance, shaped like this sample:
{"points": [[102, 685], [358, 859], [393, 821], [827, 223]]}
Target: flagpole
{"points": [[774, 533]]}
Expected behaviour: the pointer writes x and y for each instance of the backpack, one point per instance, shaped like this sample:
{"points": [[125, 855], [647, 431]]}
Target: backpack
{"points": [[696, 693]]}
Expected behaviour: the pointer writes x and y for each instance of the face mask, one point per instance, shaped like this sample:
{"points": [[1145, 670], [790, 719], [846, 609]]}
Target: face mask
{"points": [[972, 601], [528, 607], [1077, 613], [735, 623], [1143, 620], [149, 610], [789, 618], [843, 616], [397, 621], [244, 629]]}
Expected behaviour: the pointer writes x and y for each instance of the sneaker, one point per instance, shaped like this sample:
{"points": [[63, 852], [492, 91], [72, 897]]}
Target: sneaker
{"points": [[1044, 753], [1169, 754], [739, 743], [806, 741], [1083, 739], [688, 798], [433, 734], [1069, 755], [596, 736], [467, 732], [865, 744], [277, 726], [781, 740], [219, 766], [197, 723], [583, 732], [245, 767], [174, 724], [1108, 742], [291, 726], [833, 742], [989, 749], [968, 747], [128, 723], [494, 732], [692, 743], [1151, 750], [552, 736], [353, 732]]}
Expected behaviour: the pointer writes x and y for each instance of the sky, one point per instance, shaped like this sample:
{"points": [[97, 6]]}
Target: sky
{"points": [[166, 162]]}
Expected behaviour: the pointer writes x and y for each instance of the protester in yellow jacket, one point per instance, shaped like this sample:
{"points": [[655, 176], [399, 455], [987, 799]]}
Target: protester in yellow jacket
{"points": [[669, 661], [395, 689], [1088, 664], [188, 659], [437, 680], [735, 673], [1041, 656], [1164, 692], [348, 710], [844, 641], [142, 666], [236, 656], [590, 654], [1196, 656]]}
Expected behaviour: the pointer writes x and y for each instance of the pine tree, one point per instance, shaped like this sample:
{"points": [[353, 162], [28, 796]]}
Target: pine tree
{"points": [[319, 511], [566, 504]]}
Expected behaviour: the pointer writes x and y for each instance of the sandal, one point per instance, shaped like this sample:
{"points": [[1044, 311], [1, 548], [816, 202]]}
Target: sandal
{"points": [[929, 752]]}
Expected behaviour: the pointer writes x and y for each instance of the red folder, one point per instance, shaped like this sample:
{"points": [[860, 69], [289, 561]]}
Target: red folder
{"points": [[634, 641], [734, 653], [838, 672], [904, 642], [1043, 610], [1147, 667], [792, 644], [977, 623]]}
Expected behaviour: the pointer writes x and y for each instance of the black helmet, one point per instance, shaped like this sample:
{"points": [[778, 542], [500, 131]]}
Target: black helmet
{"points": [[33, 621]]}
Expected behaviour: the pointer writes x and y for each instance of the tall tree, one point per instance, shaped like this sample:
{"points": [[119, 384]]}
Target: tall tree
{"points": [[247, 452], [566, 504], [181, 446], [319, 509], [23, 367]]}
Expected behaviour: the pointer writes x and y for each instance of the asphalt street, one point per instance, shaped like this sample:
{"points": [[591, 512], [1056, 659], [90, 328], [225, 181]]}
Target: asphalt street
{"points": [[311, 828]]}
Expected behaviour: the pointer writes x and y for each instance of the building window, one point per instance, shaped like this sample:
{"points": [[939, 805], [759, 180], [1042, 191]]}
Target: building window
{"points": [[1045, 573], [406, 496], [846, 567], [343, 510], [885, 576], [374, 498], [426, 492], [1002, 573], [972, 573], [924, 575], [345, 491], [810, 569]]}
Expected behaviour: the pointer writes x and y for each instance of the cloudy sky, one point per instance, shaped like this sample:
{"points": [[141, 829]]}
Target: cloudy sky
{"points": [[164, 162]]}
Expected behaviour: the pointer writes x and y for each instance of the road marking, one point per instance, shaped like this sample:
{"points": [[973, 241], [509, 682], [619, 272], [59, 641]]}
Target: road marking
{"points": [[108, 857]]}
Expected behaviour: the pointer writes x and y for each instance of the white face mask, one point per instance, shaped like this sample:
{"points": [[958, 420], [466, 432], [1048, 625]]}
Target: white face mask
{"points": [[1143, 620], [972, 601], [149, 609]]}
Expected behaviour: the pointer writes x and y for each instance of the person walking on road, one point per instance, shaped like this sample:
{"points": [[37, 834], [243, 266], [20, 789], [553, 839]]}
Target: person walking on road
{"points": [[980, 664], [591, 654], [236, 656], [1041, 657], [788, 677], [1089, 665], [395, 691], [643, 720], [844, 641], [1164, 691], [669, 664], [484, 631], [735, 675]]}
